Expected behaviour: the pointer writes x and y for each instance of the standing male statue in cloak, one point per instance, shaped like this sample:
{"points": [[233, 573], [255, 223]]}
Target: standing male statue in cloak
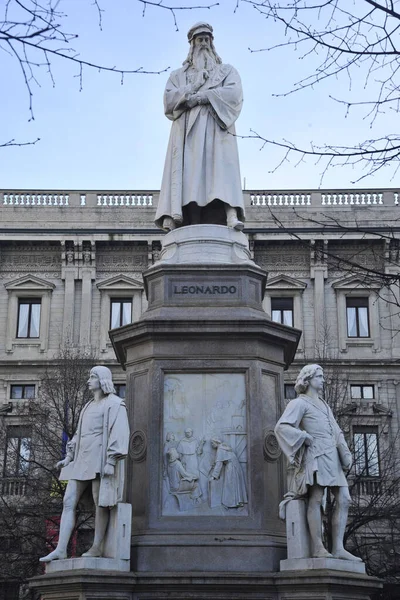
{"points": [[94, 460], [314, 444], [201, 181]]}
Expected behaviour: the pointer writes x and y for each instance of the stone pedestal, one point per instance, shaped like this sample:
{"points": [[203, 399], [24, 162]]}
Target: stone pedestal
{"points": [[205, 357], [116, 550], [315, 585], [297, 536]]}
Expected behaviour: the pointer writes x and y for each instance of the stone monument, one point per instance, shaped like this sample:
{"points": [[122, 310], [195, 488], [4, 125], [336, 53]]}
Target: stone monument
{"points": [[319, 458], [204, 370], [201, 181], [95, 459]]}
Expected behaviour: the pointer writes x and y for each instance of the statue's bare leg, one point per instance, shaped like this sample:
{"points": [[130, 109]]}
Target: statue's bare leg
{"points": [[339, 521], [101, 518], [72, 495], [314, 520], [232, 218]]}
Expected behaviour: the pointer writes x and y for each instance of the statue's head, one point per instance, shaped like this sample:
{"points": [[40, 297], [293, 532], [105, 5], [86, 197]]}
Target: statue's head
{"points": [[310, 376], [202, 53], [215, 442], [170, 437], [188, 432], [101, 378]]}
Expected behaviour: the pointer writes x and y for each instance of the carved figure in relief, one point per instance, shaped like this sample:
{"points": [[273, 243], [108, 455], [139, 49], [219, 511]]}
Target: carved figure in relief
{"points": [[228, 467], [94, 459], [170, 442], [201, 181], [180, 480], [190, 448], [314, 444]]}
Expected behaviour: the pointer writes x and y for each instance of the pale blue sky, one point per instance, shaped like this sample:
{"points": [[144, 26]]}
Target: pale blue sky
{"points": [[110, 136]]}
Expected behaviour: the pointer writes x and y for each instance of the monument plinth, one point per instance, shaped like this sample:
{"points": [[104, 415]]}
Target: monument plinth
{"points": [[204, 370]]}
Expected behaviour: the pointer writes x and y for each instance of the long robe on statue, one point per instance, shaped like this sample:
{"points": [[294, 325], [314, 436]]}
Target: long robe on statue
{"points": [[234, 493], [323, 458], [202, 162]]}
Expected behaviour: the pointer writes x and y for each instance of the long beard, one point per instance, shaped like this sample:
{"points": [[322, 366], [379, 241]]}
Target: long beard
{"points": [[203, 58]]}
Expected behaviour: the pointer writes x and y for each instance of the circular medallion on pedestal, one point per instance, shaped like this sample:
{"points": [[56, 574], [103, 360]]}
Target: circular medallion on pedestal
{"points": [[138, 446], [271, 447]]}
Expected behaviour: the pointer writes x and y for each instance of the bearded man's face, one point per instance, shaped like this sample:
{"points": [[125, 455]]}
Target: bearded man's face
{"points": [[202, 40], [203, 57]]}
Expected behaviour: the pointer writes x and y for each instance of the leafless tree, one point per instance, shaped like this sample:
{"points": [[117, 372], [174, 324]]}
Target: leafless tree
{"points": [[373, 528], [30, 491], [35, 34], [347, 38]]}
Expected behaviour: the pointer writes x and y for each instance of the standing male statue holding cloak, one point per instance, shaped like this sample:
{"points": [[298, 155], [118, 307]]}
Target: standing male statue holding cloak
{"points": [[201, 181], [94, 459], [312, 440]]}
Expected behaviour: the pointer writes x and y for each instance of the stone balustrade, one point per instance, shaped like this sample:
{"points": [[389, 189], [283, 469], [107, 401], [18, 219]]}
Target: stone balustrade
{"points": [[323, 198], [132, 199], [48, 198]]}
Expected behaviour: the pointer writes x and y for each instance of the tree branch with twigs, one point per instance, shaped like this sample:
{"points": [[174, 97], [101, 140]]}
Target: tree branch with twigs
{"points": [[360, 38]]}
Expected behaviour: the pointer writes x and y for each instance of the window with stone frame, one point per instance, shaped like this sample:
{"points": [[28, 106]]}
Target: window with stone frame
{"points": [[366, 451], [22, 391], [290, 393], [282, 310], [357, 314], [28, 323], [120, 312], [18, 451], [120, 389], [362, 392]]}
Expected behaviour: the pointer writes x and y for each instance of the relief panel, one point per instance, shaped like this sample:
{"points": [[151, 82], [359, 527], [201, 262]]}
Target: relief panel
{"points": [[204, 457]]}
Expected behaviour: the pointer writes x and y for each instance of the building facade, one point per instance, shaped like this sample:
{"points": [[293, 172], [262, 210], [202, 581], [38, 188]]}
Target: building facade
{"points": [[71, 267]]}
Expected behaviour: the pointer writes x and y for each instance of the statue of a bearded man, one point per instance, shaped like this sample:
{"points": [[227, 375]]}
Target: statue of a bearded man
{"points": [[201, 181]]}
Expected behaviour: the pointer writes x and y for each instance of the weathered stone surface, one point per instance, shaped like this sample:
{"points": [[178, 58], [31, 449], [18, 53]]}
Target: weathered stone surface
{"points": [[86, 562], [333, 564], [117, 541], [313, 585], [205, 244]]}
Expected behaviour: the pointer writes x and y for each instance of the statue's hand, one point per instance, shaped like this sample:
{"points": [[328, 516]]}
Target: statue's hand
{"points": [[202, 77], [308, 439], [63, 463], [191, 101], [108, 470], [348, 464], [202, 98], [196, 99]]}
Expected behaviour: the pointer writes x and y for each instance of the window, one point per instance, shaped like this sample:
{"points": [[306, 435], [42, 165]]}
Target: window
{"points": [[357, 317], [290, 394], [23, 391], [28, 325], [121, 312], [120, 389], [18, 451], [365, 392], [282, 310], [366, 451]]}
